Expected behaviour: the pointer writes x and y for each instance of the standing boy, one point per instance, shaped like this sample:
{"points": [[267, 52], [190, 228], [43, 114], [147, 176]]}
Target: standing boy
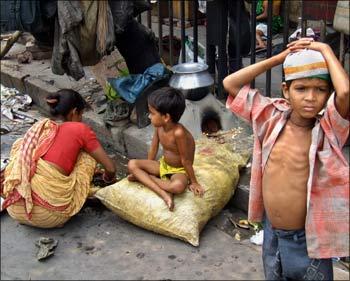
{"points": [[300, 178], [169, 175]]}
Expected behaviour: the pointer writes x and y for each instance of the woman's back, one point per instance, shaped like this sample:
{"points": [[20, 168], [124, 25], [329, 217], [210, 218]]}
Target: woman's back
{"points": [[71, 138]]}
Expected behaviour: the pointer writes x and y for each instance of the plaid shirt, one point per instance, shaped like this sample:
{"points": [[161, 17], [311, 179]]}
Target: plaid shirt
{"points": [[327, 218]]}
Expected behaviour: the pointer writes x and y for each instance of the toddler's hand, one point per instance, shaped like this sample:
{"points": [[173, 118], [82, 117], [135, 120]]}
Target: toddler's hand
{"points": [[99, 171], [108, 179], [197, 189]]}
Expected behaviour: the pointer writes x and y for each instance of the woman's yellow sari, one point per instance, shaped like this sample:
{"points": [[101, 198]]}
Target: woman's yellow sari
{"points": [[36, 192]]}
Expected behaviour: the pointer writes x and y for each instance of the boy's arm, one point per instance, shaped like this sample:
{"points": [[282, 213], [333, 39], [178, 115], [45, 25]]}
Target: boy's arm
{"points": [[235, 81], [340, 78], [152, 153], [180, 137]]}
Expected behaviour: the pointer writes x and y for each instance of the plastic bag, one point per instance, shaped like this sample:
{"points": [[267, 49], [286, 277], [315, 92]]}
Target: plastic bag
{"points": [[258, 238], [217, 169]]}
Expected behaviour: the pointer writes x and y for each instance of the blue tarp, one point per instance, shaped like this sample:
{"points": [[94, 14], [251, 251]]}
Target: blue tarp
{"points": [[131, 86]]}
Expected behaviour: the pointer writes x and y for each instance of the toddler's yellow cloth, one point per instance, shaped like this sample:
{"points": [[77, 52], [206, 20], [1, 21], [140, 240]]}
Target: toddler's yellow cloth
{"points": [[165, 170]]}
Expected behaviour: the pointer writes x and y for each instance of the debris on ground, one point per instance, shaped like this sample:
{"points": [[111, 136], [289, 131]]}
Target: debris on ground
{"points": [[244, 229], [1, 201], [4, 129], [14, 104], [116, 110], [39, 52], [25, 57], [46, 247], [258, 238]]}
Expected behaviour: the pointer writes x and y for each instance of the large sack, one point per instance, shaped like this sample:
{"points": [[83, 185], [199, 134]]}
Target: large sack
{"points": [[217, 169]]}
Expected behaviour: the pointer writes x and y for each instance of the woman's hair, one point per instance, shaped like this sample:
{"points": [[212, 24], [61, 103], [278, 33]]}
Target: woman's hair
{"points": [[168, 100], [63, 101]]}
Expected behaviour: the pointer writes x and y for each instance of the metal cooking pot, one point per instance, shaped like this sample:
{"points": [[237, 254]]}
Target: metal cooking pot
{"points": [[193, 79]]}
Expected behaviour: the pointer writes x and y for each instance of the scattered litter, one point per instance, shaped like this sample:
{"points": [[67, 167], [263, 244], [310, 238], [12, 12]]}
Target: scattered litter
{"points": [[46, 247], [4, 129], [25, 57], [238, 236], [4, 162], [258, 238], [243, 224], [116, 110], [233, 222], [1, 200], [14, 103], [256, 225]]}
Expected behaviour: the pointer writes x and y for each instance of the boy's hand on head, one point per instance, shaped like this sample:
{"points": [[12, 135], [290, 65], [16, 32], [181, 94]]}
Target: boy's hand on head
{"points": [[307, 43], [281, 56], [197, 189]]}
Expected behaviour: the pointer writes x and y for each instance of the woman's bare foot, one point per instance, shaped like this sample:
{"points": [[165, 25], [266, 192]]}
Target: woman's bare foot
{"points": [[131, 177]]}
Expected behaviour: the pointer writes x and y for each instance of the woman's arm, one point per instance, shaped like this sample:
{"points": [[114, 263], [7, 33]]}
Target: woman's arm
{"points": [[340, 78], [101, 157], [152, 153], [235, 81]]}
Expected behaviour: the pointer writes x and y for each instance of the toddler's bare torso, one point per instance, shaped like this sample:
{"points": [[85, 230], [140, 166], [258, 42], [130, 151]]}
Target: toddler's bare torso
{"points": [[170, 147]]}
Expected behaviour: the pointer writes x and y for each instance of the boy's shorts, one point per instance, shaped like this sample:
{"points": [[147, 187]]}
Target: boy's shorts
{"points": [[166, 170], [285, 256]]}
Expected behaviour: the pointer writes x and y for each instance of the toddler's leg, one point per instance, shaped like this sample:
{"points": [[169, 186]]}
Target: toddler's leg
{"points": [[144, 171], [176, 185]]}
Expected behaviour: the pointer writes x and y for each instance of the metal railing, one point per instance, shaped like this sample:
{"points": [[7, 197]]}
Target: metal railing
{"points": [[219, 67]]}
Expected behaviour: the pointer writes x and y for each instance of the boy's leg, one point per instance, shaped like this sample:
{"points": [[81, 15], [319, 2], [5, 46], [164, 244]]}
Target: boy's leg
{"points": [[270, 253], [295, 261], [176, 185], [142, 170]]}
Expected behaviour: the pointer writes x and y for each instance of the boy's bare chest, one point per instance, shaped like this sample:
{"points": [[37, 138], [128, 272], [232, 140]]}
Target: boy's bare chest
{"points": [[167, 140], [291, 149]]}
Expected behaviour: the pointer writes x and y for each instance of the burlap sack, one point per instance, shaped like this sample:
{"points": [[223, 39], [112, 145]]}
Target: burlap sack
{"points": [[217, 170]]}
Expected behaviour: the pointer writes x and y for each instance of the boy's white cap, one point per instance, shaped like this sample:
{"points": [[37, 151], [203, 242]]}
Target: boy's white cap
{"points": [[305, 64]]}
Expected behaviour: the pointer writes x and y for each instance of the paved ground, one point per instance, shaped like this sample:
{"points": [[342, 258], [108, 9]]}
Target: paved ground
{"points": [[96, 244]]}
